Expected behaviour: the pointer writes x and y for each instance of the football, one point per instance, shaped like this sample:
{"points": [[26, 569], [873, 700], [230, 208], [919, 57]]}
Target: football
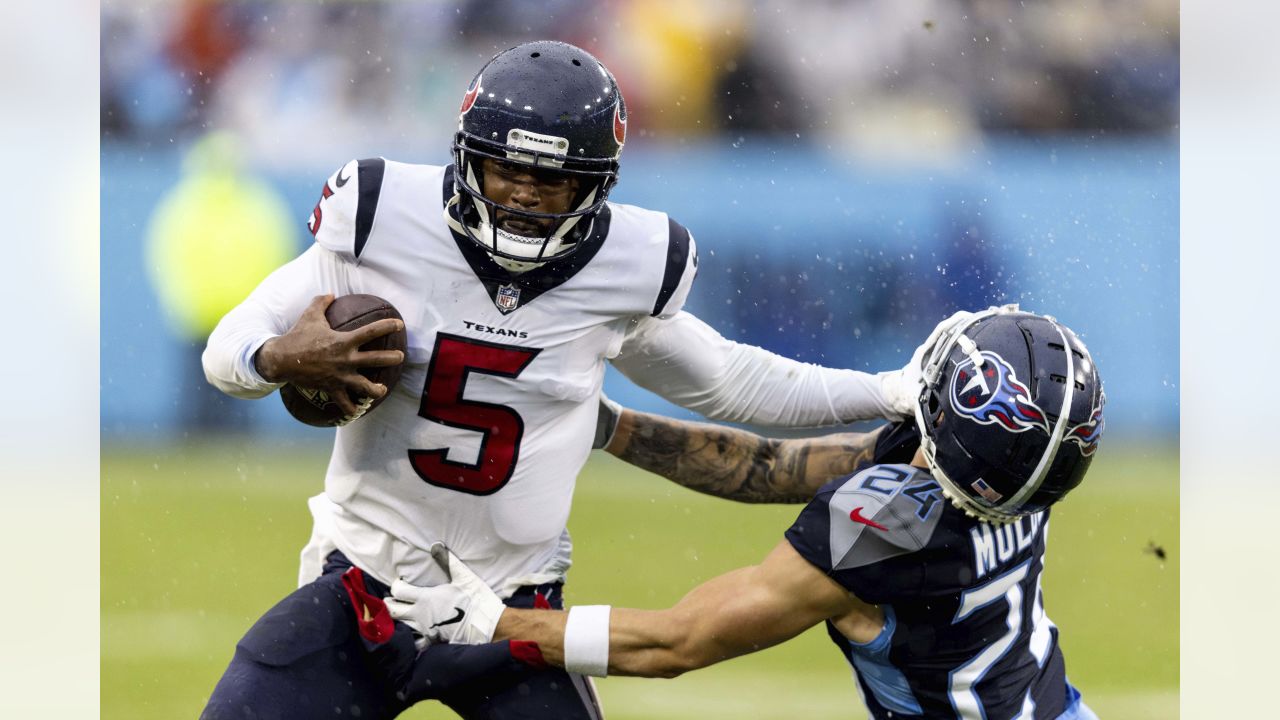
{"points": [[349, 312]]}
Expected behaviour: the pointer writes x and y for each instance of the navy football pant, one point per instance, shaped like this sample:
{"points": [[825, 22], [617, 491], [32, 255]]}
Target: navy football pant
{"points": [[307, 658]]}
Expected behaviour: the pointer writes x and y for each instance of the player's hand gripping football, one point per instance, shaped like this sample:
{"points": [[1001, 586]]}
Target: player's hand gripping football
{"points": [[313, 355], [464, 610]]}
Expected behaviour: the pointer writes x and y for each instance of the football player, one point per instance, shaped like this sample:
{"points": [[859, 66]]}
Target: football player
{"points": [[924, 567], [516, 279]]}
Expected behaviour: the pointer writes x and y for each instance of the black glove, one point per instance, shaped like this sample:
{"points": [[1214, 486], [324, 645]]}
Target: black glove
{"points": [[393, 659], [441, 669]]}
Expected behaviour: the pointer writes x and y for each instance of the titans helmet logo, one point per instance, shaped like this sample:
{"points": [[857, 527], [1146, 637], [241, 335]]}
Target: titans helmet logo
{"points": [[991, 394], [1088, 433]]}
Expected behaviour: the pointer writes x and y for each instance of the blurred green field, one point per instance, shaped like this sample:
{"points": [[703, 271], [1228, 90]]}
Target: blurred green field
{"points": [[198, 541]]}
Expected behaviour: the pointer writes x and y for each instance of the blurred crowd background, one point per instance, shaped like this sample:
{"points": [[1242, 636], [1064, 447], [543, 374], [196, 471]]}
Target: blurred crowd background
{"points": [[853, 170]]}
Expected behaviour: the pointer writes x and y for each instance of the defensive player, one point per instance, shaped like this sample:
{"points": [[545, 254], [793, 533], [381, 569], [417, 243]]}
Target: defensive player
{"points": [[937, 606], [517, 280]]}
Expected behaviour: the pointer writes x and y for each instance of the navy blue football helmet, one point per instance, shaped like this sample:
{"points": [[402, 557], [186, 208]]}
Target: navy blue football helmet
{"points": [[547, 105], [1010, 414]]}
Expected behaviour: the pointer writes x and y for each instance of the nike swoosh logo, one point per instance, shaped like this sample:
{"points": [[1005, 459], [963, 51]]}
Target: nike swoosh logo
{"points": [[341, 180], [452, 620], [857, 516]]}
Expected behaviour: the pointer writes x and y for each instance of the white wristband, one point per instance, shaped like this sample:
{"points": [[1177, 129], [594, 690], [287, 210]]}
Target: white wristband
{"points": [[586, 640]]}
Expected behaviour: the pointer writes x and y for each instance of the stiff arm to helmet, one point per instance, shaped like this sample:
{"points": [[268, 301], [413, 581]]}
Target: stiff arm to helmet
{"points": [[688, 363]]}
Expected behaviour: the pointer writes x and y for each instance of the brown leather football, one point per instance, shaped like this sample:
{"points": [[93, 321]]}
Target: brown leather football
{"points": [[348, 312]]}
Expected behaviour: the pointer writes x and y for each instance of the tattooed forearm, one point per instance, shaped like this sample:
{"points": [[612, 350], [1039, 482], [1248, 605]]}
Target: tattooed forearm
{"points": [[711, 459], [735, 464], [831, 456]]}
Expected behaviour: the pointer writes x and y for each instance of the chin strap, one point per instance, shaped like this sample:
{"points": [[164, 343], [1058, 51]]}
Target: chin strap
{"points": [[456, 225], [552, 247]]}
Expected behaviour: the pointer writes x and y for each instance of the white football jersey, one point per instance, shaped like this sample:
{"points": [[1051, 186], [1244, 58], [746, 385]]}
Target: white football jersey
{"points": [[480, 443]]}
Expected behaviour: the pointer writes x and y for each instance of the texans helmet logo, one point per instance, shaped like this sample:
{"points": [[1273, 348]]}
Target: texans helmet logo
{"points": [[992, 394], [1087, 433], [619, 125], [470, 98]]}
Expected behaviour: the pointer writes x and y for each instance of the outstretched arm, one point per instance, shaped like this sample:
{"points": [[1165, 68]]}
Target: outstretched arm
{"points": [[687, 362], [736, 464], [740, 612]]}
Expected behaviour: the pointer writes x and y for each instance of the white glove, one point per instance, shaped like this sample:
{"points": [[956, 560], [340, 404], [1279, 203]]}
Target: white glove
{"points": [[901, 388], [465, 610]]}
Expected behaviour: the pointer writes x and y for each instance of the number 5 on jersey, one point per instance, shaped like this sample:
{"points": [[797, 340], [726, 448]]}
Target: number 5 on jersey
{"points": [[452, 362]]}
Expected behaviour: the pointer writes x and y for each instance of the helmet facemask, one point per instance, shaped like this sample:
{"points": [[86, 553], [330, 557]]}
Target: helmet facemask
{"points": [[549, 107], [563, 232]]}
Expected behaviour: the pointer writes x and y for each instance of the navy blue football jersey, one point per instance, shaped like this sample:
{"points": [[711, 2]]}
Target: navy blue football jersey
{"points": [[965, 632]]}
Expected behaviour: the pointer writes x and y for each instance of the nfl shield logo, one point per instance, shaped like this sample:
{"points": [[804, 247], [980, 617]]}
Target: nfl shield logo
{"points": [[508, 298]]}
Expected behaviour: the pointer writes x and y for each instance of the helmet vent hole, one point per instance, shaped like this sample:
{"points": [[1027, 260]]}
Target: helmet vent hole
{"points": [[534, 55], [577, 62], [1062, 380], [1074, 351]]}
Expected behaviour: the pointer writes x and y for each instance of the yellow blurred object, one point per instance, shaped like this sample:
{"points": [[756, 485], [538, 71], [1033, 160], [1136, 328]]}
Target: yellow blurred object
{"points": [[671, 55], [213, 237]]}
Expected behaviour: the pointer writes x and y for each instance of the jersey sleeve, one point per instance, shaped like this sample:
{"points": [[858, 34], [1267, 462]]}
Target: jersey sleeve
{"points": [[863, 531], [687, 362], [345, 214], [270, 310], [678, 273]]}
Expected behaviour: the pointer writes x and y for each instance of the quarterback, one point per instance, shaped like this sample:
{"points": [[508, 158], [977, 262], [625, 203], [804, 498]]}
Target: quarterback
{"points": [[925, 566], [517, 280]]}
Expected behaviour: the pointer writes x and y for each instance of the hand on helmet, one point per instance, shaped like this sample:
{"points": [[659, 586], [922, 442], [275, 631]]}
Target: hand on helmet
{"points": [[902, 388], [464, 610]]}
